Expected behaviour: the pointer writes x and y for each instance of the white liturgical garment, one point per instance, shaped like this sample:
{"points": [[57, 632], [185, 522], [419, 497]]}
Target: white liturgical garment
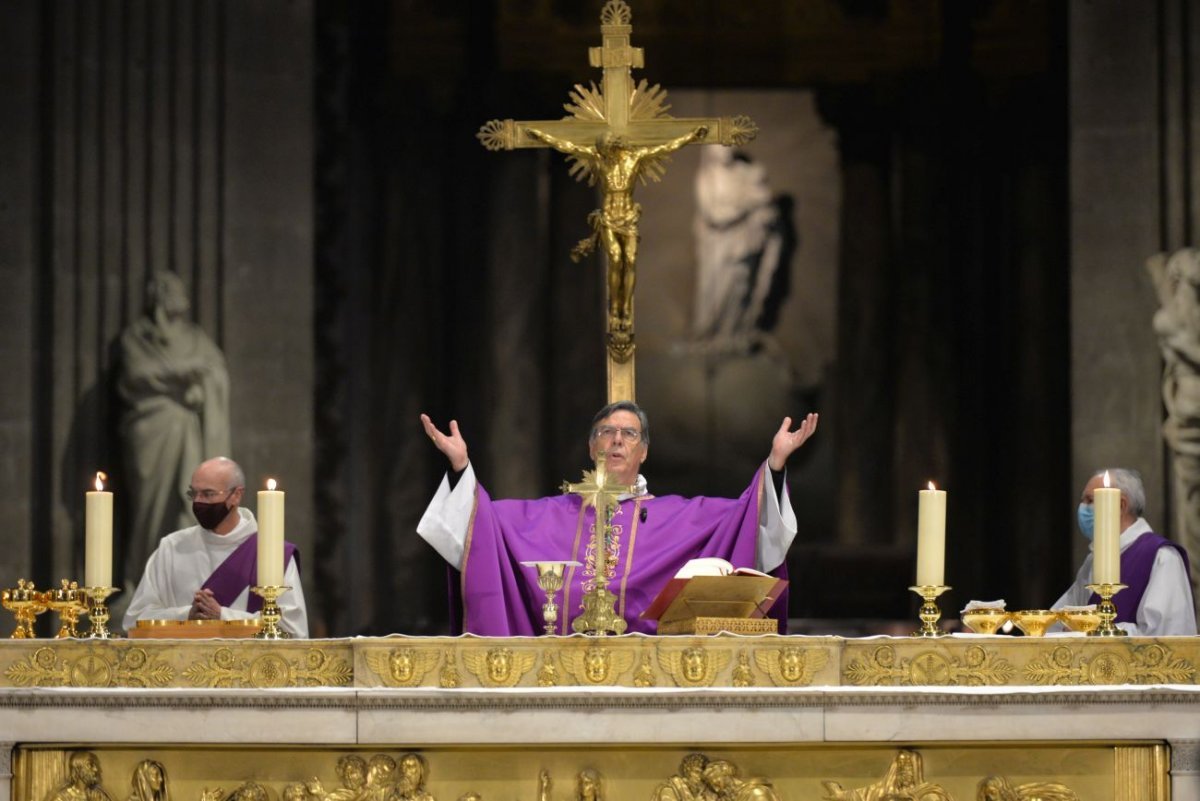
{"points": [[1166, 607], [186, 558], [445, 522]]}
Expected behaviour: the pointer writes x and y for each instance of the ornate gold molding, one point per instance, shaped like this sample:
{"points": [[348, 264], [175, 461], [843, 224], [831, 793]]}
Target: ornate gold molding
{"points": [[939, 667], [226, 667], [1116, 664], [98, 665]]}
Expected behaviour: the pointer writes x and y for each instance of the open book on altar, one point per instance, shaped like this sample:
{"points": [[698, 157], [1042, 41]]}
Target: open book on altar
{"points": [[709, 595]]}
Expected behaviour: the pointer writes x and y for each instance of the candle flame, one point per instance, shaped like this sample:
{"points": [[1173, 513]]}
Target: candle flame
{"points": [[931, 486], [101, 477], [270, 483], [1106, 483]]}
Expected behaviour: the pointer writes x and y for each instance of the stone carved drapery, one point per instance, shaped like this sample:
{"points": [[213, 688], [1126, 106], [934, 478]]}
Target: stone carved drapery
{"points": [[1176, 278]]}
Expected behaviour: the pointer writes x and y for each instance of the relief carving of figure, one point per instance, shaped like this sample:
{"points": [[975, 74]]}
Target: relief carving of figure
{"points": [[247, 791], [686, 785], [998, 788], [723, 781], [83, 780], [410, 786], [381, 778], [587, 787], [352, 772], [1176, 278], [903, 781], [149, 781], [175, 394]]}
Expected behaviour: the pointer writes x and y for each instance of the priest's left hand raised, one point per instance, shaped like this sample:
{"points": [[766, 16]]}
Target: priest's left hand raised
{"points": [[204, 572], [650, 537]]}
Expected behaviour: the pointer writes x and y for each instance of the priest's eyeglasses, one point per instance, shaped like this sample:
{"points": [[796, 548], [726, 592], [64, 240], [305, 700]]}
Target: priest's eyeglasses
{"points": [[630, 436], [208, 495]]}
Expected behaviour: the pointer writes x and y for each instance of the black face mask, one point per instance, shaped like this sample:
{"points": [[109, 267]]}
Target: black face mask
{"points": [[210, 515]]}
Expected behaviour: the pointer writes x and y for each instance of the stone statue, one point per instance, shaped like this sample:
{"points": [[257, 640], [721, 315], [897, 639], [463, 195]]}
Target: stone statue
{"points": [[617, 165], [903, 781], [83, 780], [997, 788], [1176, 278], [175, 392], [687, 784], [149, 781], [741, 243]]}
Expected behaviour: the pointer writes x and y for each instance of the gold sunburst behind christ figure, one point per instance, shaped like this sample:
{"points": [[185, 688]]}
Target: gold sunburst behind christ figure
{"points": [[617, 134]]}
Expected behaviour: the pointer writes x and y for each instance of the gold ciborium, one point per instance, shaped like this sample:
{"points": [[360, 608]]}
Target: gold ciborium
{"points": [[985, 620], [271, 614], [69, 602], [930, 614], [1084, 621], [1107, 610], [26, 603], [550, 579], [1034, 622]]}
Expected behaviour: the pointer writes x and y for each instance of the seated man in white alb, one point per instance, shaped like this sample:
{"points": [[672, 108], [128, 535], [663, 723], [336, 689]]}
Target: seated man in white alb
{"points": [[1158, 598], [205, 572]]}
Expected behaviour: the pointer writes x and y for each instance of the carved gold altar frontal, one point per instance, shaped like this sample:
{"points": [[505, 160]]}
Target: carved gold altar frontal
{"points": [[627, 661], [990, 772]]}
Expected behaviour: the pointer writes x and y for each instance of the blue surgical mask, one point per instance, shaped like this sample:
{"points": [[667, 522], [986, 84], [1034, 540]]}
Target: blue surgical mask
{"points": [[1087, 520]]}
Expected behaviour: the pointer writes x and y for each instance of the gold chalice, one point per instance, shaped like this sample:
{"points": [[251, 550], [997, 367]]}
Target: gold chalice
{"points": [[1034, 622], [26, 603], [1082, 620], [550, 579], [985, 620], [69, 602]]}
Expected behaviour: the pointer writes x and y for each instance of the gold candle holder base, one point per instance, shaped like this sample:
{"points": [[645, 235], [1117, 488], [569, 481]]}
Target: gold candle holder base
{"points": [[271, 614], [1107, 610], [69, 602], [599, 614], [26, 603], [930, 613], [97, 612]]}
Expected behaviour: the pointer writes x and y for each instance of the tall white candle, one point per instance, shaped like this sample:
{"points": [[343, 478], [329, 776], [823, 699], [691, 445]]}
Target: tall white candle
{"points": [[270, 536], [931, 537], [1106, 549], [98, 523]]}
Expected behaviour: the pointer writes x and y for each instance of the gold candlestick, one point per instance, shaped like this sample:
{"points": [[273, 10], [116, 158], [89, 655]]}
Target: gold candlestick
{"points": [[68, 601], [271, 614], [26, 603], [98, 612], [1107, 610], [550, 579], [930, 614]]}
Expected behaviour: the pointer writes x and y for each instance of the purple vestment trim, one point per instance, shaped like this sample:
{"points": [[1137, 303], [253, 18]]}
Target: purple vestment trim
{"points": [[240, 570], [500, 597], [1136, 563]]}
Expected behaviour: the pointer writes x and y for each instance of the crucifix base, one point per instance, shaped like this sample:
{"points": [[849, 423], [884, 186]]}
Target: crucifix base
{"points": [[620, 379], [599, 614]]}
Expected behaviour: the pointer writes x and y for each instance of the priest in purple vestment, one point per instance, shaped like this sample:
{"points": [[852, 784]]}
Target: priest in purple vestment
{"points": [[205, 572], [487, 539], [1158, 598]]}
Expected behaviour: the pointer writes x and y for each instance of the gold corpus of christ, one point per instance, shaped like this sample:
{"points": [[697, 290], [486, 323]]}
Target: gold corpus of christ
{"points": [[599, 614], [615, 135]]}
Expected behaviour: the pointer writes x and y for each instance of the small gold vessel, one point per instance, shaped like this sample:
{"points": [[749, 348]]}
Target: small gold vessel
{"points": [[1081, 620], [987, 620], [1034, 622]]}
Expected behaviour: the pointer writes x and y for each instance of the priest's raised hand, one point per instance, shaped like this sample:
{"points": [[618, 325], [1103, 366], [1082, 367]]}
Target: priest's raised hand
{"points": [[787, 442], [453, 445]]}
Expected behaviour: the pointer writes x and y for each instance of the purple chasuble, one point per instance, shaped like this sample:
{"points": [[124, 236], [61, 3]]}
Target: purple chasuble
{"points": [[240, 570], [651, 539], [1136, 563]]}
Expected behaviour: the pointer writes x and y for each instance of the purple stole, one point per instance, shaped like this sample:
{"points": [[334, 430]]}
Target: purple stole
{"points": [[1136, 563], [651, 539], [240, 570]]}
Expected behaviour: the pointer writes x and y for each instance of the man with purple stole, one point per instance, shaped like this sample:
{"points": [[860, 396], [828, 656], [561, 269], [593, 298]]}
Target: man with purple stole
{"points": [[1158, 598], [650, 537], [205, 572]]}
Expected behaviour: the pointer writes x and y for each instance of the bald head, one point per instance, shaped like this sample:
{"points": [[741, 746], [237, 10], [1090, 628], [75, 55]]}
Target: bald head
{"points": [[223, 470], [216, 491]]}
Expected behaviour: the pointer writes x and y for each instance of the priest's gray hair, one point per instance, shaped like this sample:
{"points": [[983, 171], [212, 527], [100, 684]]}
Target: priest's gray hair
{"points": [[1129, 482], [237, 477], [621, 406]]}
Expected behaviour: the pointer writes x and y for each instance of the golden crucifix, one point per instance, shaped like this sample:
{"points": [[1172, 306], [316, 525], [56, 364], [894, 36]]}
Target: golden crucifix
{"points": [[616, 135], [599, 614]]}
